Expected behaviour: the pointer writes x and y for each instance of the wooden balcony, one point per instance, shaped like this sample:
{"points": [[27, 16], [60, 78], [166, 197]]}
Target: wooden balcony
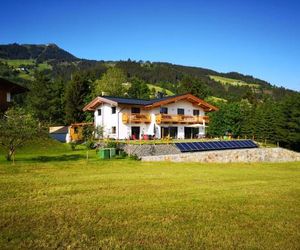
{"points": [[136, 118], [187, 119]]}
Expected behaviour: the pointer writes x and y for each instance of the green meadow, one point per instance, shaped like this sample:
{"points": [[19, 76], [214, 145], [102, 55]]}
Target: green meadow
{"points": [[29, 63], [160, 89], [234, 82], [55, 198]]}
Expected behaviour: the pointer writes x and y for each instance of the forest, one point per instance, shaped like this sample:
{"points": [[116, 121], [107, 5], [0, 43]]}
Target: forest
{"points": [[61, 84]]}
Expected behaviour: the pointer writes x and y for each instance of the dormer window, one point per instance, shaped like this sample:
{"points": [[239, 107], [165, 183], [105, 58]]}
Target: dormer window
{"points": [[180, 111], [135, 110], [196, 112], [164, 110]]}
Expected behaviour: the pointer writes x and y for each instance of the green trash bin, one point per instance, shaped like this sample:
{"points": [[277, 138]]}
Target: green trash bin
{"points": [[104, 153], [112, 152]]}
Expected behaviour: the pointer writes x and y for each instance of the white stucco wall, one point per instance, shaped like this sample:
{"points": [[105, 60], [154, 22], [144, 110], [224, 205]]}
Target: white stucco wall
{"points": [[187, 106], [107, 120], [123, 131]]}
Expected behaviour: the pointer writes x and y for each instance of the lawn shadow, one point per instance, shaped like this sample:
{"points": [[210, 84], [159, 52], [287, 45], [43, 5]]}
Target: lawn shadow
{"points": [[64, 157]]}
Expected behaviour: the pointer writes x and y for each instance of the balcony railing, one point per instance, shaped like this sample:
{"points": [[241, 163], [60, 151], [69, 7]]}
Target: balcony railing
{"points": [[189, 119], [136, 118]]}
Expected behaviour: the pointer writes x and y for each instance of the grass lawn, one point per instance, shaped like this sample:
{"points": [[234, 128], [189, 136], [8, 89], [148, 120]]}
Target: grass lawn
{"points": [[160, 89], [54, 198], [234, 82], [16, 63]]}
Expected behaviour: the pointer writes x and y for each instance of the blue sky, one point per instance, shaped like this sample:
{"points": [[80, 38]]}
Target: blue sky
{"points": [[259, 38]]}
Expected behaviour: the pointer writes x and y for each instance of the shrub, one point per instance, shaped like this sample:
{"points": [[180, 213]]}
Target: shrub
{"points": [[134, 157], [73, 145], [90, 144], [111, 144]]}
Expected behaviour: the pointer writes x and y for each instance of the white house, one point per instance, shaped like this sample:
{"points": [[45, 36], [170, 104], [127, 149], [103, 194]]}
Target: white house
{"points": [[180, 116]]}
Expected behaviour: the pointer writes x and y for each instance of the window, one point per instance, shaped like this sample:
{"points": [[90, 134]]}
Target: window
{"points": [[180, 111], [196, 112], [8, 97], [76, 130], [163, 110], [113, 110], [135, 110], [113, 130], [99, 112]]}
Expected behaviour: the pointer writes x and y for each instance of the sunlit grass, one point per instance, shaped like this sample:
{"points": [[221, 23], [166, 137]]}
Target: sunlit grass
{"points": [[66, 201], [234, 82]]}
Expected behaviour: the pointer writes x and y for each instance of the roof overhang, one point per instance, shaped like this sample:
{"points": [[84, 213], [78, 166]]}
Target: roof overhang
{"points": [[97, 102], [11, 87], [189, 97], [92, 106]]}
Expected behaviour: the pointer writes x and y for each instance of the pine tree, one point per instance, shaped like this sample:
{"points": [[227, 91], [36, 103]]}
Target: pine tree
{"points": [[46, 99], [78, 94], [289, 126]]}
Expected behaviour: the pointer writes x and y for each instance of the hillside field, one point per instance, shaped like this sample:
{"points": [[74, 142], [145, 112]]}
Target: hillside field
{"points": [[29, 64], [233, 82], [15, 63], [160, 89], [54, 198]]}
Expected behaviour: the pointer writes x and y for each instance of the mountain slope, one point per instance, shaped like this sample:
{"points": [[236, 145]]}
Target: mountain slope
{"points": [[31, 51], [58, 63]]}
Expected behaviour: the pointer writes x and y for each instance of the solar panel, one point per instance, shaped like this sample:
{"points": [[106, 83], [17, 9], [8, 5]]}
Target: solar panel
{"points": [[188, 146], [185, 148], [214, 145], [232, 144], [181, 148], [193, 146]]}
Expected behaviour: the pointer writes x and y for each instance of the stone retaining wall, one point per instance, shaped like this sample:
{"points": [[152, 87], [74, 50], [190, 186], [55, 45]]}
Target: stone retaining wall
{"points": [[225, 156], [150, 150]]}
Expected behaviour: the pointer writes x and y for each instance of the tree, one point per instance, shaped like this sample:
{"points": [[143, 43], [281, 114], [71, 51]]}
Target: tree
{"points": [[17, 127], [78, 94], [138, 89], [46, 99], [228, 119], [267, 120], [111, 83], [289, 127], [194, 86]]}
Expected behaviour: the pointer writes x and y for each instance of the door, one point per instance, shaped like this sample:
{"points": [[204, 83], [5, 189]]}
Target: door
{"points": [[187, 133], [195, 132], [164, 131], [173, 132], [169, 131], [135, 133], [190, 132]]}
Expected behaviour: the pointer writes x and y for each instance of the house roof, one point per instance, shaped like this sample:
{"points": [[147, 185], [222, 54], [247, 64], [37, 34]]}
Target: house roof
{"points": [[11, 87], [148, 104], [58, 130], [131, 101]]}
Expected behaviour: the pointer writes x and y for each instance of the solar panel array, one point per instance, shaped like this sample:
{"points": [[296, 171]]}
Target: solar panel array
{"points": [[214, 145]]}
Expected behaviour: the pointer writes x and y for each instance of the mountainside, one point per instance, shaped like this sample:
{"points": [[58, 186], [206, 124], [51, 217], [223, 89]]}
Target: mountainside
{"points": [[61, 85], [21, 62], [38, 52]]}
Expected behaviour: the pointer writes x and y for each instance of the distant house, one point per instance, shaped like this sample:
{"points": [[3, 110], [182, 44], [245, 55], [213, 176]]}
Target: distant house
{"points": [[74, 132], [7, 91], [181, 116], [59, 133]]}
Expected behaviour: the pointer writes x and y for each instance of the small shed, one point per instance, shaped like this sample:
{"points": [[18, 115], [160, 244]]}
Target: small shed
{"points": [[76, 129], [59, 133]]}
